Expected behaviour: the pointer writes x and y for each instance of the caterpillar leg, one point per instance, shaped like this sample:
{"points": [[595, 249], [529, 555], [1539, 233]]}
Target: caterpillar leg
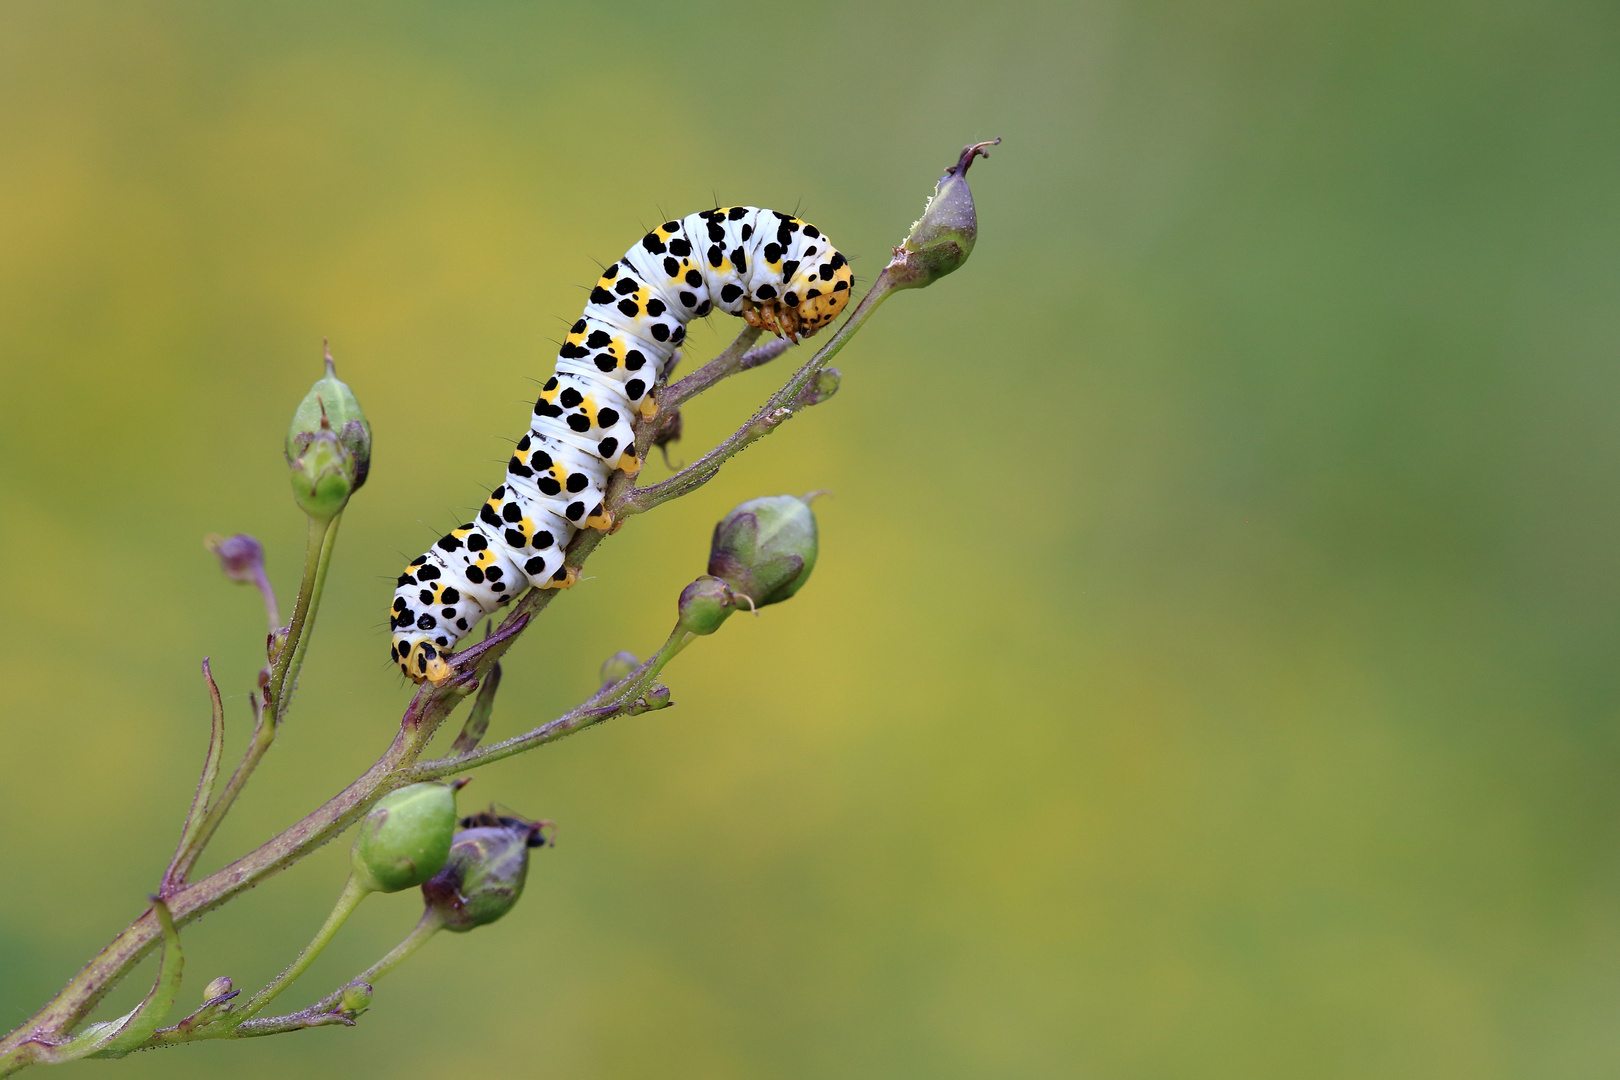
{"points": [[602, 520], [775, 317], [628, 463], [648, 407]]}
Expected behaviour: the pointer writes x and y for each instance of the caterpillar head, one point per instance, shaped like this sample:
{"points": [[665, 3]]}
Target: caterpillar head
{"points": [[419, 659], [815, 296], [826, 289]]}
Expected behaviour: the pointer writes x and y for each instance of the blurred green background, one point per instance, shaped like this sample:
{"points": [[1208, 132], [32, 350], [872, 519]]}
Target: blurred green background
{"points": [[1209, 671]]}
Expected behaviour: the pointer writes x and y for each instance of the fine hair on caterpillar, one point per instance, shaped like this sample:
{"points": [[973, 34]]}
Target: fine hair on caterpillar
{"points": [[775, 271]]}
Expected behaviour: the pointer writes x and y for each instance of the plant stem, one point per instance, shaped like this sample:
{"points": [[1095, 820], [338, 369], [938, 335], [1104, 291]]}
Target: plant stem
{"points": [[569, 722], [317, 557], [727, 363], [760, 355], [430, 923], [349, 899], [781, 406], [644, 675], [184, 852], [326, 1011], [623, 694]]}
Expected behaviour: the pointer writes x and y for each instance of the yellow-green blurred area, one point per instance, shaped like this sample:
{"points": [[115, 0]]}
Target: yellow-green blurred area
{"points": [[1210, 669]]}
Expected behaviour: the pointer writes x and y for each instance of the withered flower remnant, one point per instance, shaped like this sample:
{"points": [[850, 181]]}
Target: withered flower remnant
{"points": [[487, 867]]}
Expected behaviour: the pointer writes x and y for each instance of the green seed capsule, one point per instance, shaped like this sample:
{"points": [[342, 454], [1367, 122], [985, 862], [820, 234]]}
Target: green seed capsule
{"points": [[328, 446], [405, 838], [485, 873], [765, 548]]}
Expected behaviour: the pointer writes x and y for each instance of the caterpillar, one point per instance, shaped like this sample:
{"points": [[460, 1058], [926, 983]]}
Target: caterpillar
{"points": [[777, 272]]}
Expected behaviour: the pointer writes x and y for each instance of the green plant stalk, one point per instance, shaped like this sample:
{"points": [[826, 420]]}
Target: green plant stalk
{"points": [[349, 899], [781, 406], [303, 622], [623, 693], [643, 676], [324, 1012], [727, 363], [431, 922], [317, 557], [183, 859]]}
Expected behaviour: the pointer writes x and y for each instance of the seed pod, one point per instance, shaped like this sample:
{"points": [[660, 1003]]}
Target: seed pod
{"points": [[328, 446], [765, 548], [405, 838], [484, 875], [941, 240]]}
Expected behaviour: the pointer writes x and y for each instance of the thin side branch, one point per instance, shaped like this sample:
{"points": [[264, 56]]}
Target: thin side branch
{"points": [[186, 852], [727, 363], [781, 407]]}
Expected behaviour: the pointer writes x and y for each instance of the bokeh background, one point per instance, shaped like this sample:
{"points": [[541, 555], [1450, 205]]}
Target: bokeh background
{"points": [[1210, 668]]}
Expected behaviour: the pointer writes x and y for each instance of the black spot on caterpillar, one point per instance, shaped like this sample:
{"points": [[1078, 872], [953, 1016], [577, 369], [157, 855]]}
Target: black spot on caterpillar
{"points": [[772, 269]]}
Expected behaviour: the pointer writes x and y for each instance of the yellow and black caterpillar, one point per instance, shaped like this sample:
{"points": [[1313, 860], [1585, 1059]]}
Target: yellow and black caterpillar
{"points": [[774, 270]]}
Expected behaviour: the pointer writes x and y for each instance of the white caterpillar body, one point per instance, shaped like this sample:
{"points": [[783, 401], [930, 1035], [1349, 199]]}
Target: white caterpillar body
{"points": [[774, 270]]}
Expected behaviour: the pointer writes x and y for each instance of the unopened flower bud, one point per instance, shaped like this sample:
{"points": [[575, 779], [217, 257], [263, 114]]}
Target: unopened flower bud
{"points": [[328, 446], [356, 997], [217, 988], [618, 666], [941, 240], [765, 548], [405, 838], [484, 875], [704, 605]]}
